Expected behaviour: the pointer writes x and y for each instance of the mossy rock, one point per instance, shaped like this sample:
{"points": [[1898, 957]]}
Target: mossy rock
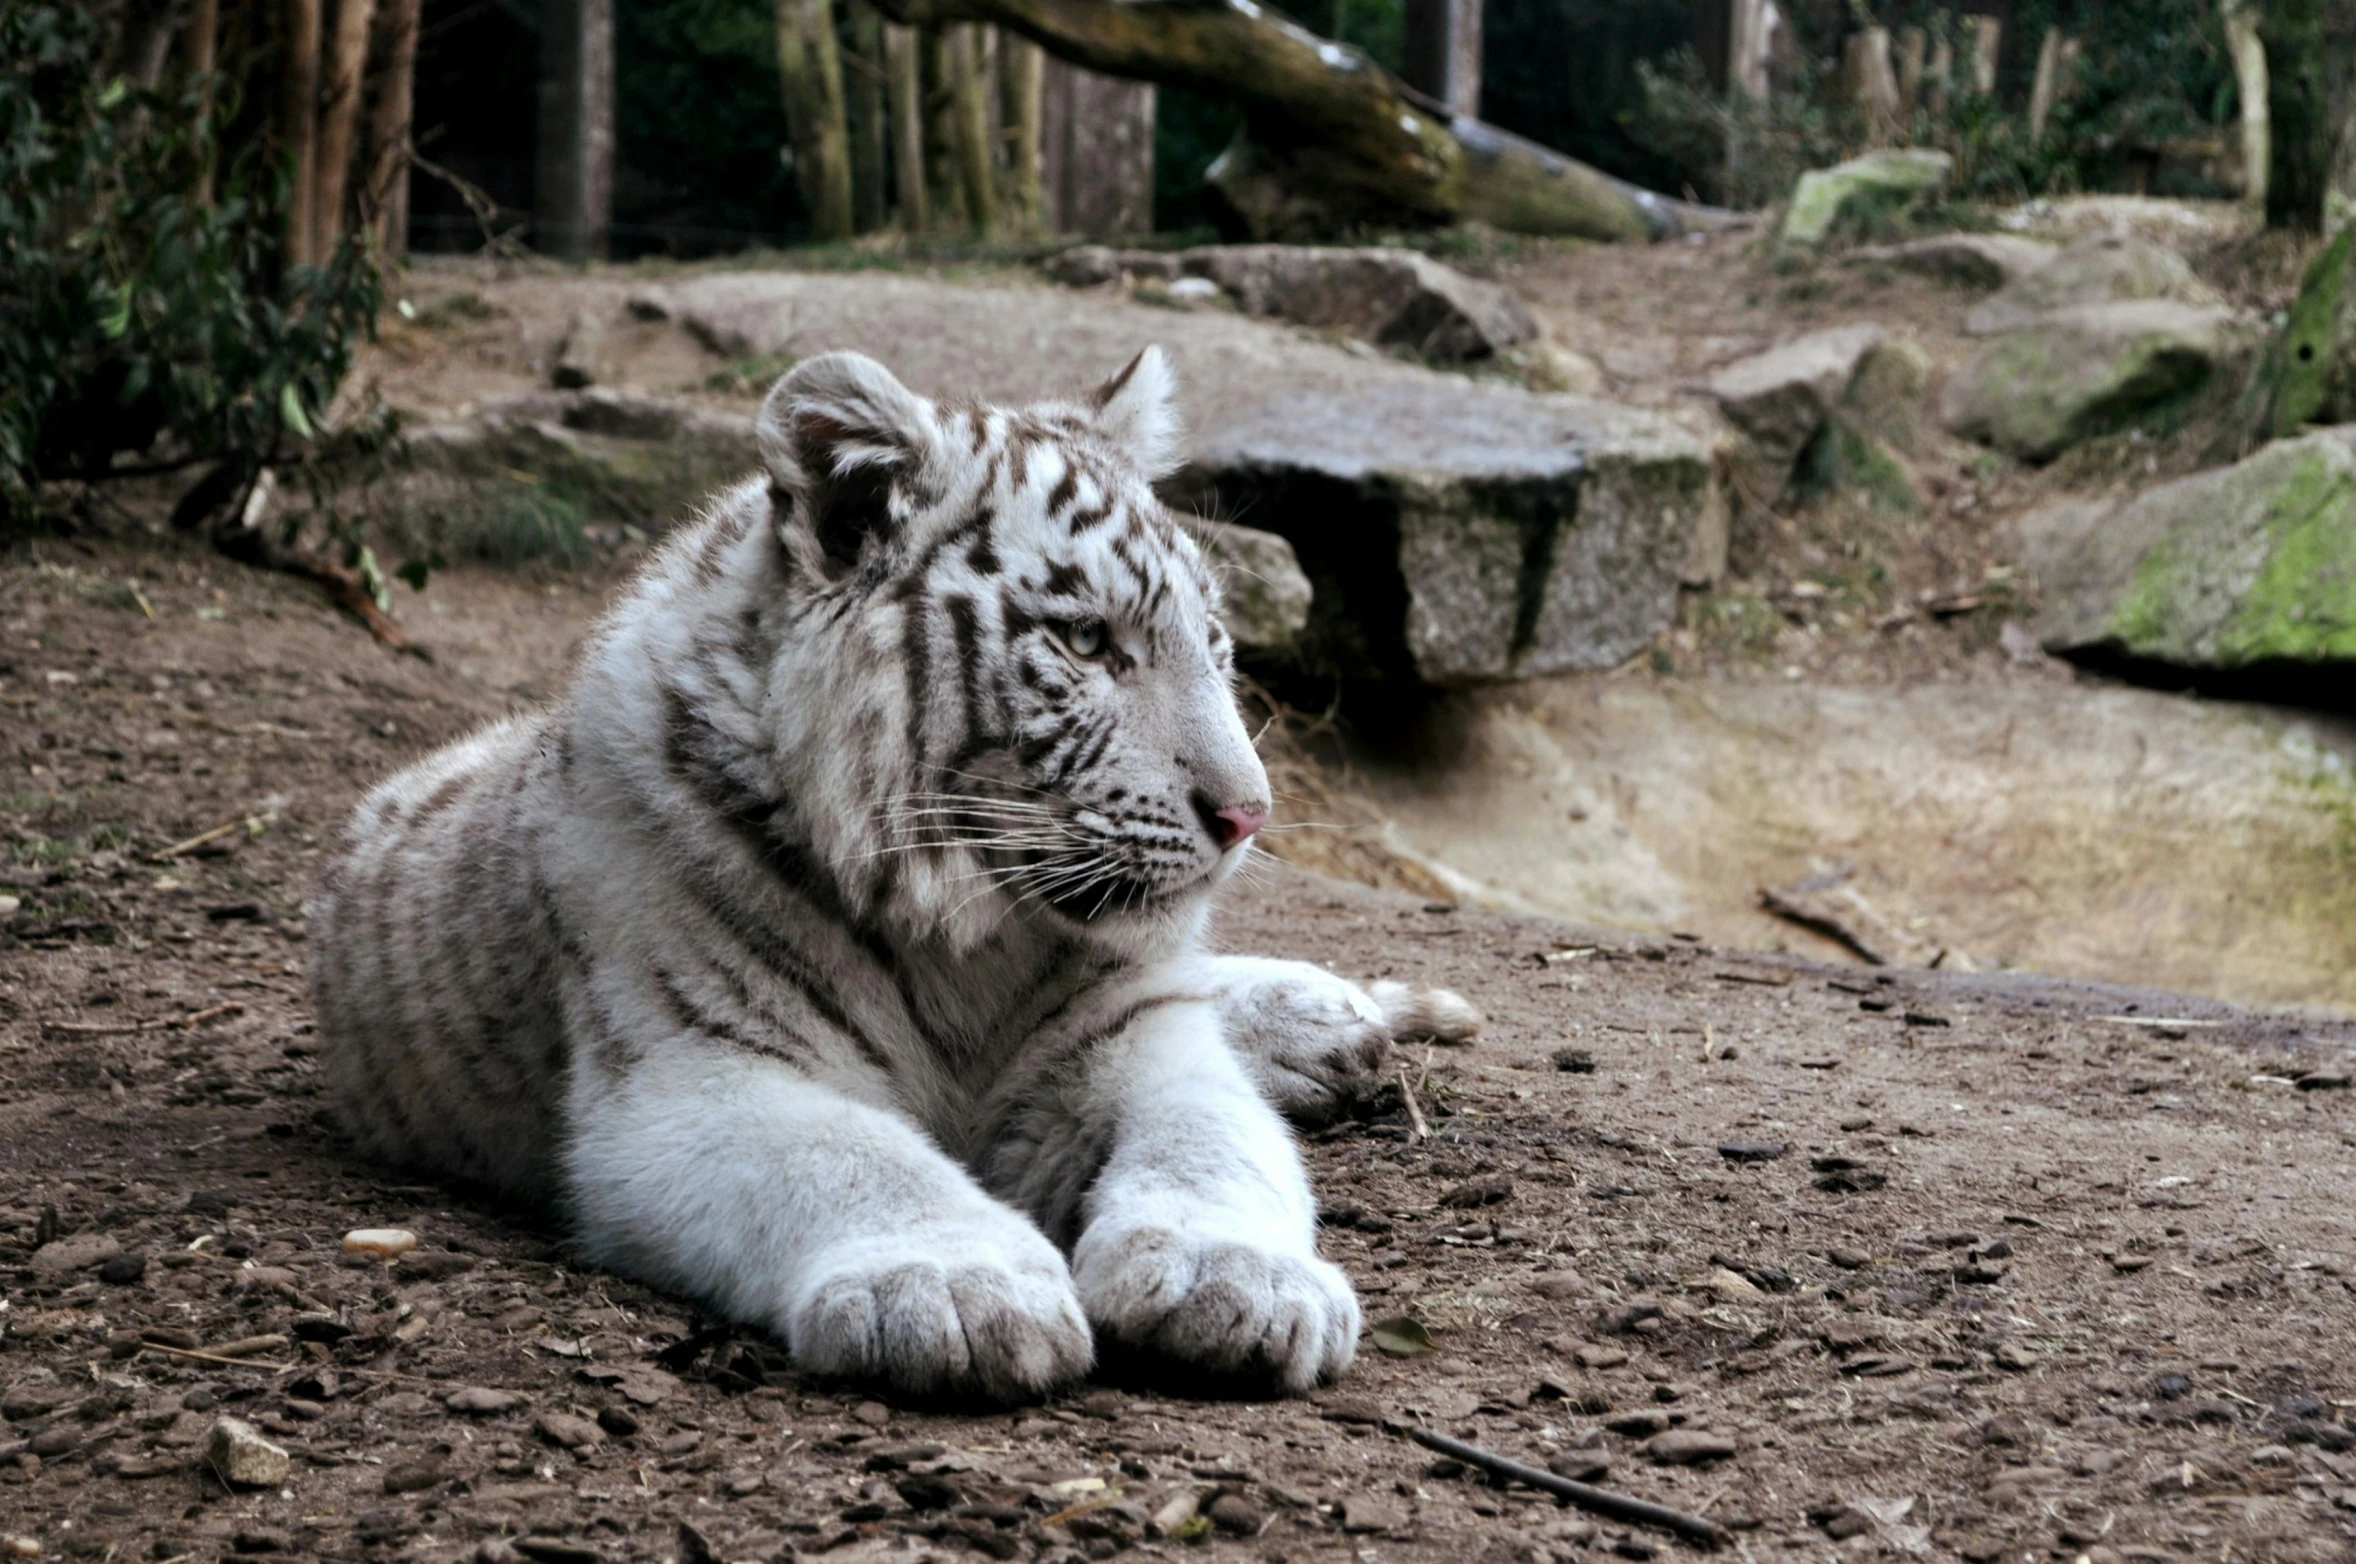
{"points": [[1858, 196], [2092, 370], [2249, 564]]}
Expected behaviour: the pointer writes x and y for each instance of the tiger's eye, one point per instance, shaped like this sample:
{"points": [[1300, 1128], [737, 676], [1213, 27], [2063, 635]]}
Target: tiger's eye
{"points": [[1085, 637]]}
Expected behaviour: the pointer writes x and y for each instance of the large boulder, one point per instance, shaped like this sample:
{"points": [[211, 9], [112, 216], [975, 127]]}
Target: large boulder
{"points": [[2253, 563], [1458, 533], [1580, 517], [2100, 269], [2089, 370], [1780, 398], [1967, 260], [1394, 298], [1855, 194]]}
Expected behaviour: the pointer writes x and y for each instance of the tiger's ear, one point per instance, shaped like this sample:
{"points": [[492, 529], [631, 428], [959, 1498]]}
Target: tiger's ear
{"points": [[834, 434], [1136, 410]]}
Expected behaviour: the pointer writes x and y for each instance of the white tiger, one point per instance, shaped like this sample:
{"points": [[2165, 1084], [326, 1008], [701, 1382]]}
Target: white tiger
{"points": [[830, 951]]}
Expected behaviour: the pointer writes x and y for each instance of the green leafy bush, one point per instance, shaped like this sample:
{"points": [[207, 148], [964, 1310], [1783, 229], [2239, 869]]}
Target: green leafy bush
{"points": [[142, 328]]}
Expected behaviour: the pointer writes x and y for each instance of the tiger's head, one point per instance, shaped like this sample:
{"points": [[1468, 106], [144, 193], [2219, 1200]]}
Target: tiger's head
{"points": [[1013, 651]]}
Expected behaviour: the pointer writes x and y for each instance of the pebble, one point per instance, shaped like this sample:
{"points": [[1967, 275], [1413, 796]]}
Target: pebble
{"points": [[1478, 1192], [242, 1458], [1580, 1466], [2127, 1264], [75, 1253], [1560, 1284], [1638, 1425], [1594, 1357], [873, 1413], [9, 907], [1849, 1259], [573, 1433], [617, 1421], [415, 1476], [379, 1241], [1734, 1287], [1687, 1447], [482, 1401], [2012, 1355], [1182, 1508], [1366, 1513], [124, 1270], [1752, 1150], [259, 1539], [1574, 1061]]}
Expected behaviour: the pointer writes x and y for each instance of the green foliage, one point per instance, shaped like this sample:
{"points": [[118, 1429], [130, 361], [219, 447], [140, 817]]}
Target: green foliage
{"points": [[701, 117], [136, 320]]}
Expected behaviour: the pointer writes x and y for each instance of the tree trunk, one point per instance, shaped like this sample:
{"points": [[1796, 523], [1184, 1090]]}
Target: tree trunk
{"points": [[863, 102], [1868, 83], [969, 129], [2310, 53], [2249, 74], [1022, 82], [339, 121], [1938, 78], [942, 188], [811, 73], [204, 31], [1987, 46], [388, 125], [1096, 153], [1443, 55], [298, 123], [905, 90], [1330, 141], [1911, 44], [573, 174], [2057, 61]]}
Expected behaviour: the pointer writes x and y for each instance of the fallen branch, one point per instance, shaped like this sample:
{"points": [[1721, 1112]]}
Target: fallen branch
{"points": [[1595, 1501], [214, 1357], [1422, 1130], [1818, 919], [221, 1012], [201, 839]]}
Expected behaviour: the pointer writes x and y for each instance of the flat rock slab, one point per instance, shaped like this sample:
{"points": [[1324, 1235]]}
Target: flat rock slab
{"points": [[1455, 531], [2246, 564], [1780, 398], [2102, 269], [1396, 298], [2089, 370], [1967, 260]]}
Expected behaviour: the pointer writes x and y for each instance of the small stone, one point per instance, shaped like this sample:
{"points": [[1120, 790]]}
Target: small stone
{"points": [[1687, 1447], [1574, 1061], [1638, 1425], [2012, 1355], [1849, 1259], [573, 1433], [1580, 1466], [617, 1421], [1846, 1522], [1236, 1515], [242, 1458], [1599, 1357], [78, 1252], [259, 1539], [1366, 1513], [1105, 1405], [124, 1270], [1183, 1507], [415, 1476], [1752, 1150], [1560, 1285], [380, 1242], [873, 1413], [1478, 1192], [2128, 1264], [482, 1401], [54, 1441], [1734, 1287]]}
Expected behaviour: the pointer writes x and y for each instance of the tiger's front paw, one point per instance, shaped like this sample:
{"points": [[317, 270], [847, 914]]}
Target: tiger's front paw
{"points": [[1313, 1043], [1221, 1303], [937, 1310]]}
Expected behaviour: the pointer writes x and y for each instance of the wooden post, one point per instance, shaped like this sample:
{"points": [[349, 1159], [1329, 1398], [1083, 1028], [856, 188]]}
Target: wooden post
{"points": [[387, 192], [1911, 46], [2249, 74], [863, 101], [942, 189], [573, 173], [1868, 82], [1022, 79], [1938, 77], [904, 90], [1443, 56], [298, 123], [969, 128], [339, 121], [1096, 148], [1750, 44], [2057, 57], [204, 30], [1987, 40], [810, 71]]}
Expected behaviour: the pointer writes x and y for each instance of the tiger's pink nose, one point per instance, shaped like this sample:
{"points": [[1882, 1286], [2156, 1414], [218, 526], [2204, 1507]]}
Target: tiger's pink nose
{"points": [[1236, 823]]}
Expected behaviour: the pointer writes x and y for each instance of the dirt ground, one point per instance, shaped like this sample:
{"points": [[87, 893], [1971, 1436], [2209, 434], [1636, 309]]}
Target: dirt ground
{"points": [[1956, 1267]]}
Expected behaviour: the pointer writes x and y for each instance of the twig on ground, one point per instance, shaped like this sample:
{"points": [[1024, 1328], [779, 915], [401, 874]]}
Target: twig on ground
{"points": [[1422, 1131], [204, 1017], [201, 839], [1595, 1501], [214, 1357]]}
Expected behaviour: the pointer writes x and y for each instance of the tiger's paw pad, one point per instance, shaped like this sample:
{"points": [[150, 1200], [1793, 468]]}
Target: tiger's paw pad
{"points": [[1220, 1304]]}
